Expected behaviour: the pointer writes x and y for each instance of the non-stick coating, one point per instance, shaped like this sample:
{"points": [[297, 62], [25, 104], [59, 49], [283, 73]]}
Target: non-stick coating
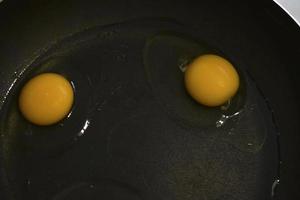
{"points": [[258, 32]]}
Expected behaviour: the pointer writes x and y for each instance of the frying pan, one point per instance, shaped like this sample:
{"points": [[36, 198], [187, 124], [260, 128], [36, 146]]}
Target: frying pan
{"points": [[133, 132]]}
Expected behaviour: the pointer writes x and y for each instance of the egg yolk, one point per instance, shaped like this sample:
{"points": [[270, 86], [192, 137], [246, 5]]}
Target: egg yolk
{"points": [[46, 99], [211, 80]]}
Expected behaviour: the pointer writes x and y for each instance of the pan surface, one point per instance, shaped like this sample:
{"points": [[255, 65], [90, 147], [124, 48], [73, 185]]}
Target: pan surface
{"points": [[133, 132]]}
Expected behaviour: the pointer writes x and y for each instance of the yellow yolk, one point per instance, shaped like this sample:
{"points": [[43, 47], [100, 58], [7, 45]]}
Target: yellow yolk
{"points": [[46, 99], [211, 80]]}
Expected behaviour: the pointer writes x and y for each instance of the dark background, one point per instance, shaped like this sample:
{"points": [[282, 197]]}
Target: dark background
{"points": [[259, 29]]}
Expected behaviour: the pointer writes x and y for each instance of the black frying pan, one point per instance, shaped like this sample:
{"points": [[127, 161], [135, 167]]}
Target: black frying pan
{"points": [[134, 133]]}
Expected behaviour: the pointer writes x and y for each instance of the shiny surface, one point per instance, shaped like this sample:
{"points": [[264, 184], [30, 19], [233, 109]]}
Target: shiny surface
{"points": [[211, 80], [291, 7], [260, 31], [133, 122], [46, 99]]}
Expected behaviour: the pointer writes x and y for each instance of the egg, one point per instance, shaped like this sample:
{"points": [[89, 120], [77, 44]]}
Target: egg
{"points": [[46, 99], [211, 80]]}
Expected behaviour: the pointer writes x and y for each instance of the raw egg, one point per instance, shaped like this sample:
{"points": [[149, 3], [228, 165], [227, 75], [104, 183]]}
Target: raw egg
{"points": [[211, 80], [46, 99]]}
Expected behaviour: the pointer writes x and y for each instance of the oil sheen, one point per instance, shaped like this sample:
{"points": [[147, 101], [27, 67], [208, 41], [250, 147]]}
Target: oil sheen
{"points": [[133, 122]]}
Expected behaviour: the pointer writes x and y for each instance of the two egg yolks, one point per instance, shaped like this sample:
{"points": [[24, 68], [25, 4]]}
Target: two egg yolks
{"points": [[46, 99], [211, 80]]}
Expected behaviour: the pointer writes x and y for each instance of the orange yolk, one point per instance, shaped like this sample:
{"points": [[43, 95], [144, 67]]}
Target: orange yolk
{"points": [[211, 80], [46, 99]]}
